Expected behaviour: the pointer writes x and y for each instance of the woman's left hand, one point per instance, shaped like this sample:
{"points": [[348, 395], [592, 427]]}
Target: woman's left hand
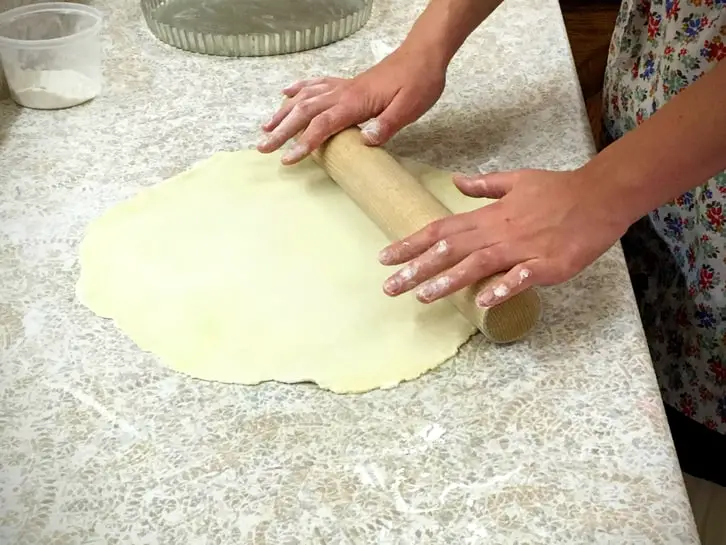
{"points": [[544, 229]]}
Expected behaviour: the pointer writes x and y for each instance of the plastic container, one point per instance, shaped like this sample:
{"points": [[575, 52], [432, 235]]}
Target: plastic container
{"points": [[51, 54], [5, 6]]}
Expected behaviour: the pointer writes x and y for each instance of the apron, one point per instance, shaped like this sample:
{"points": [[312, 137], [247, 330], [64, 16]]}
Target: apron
{"points": [[676, 255]]}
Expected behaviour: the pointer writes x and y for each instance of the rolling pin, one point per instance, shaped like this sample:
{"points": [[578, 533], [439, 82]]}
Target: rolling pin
{"points": [[399, 205]]}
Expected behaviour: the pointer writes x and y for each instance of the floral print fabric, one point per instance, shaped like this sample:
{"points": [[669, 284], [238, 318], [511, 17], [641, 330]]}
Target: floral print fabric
{"points": [[677, 256]]}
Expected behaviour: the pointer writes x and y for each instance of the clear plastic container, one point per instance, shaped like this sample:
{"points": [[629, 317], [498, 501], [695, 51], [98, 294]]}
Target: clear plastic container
{"points": [[51, 54]]}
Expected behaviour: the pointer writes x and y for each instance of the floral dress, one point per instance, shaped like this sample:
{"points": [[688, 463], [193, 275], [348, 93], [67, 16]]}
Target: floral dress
{"points": [[677, 255]]}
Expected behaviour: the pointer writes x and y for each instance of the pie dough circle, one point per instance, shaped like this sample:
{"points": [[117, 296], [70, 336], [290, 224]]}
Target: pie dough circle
{"points": [[241, 270]]}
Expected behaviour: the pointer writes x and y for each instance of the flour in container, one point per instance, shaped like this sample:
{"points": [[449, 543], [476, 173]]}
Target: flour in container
{"points": [[51, 89]]}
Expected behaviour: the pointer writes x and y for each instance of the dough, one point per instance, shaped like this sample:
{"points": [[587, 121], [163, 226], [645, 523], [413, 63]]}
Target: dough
{"points": [[241, 270]]}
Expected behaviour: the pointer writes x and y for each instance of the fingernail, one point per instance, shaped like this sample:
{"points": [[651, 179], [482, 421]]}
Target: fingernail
{"points": [[264, 142], [501, 291], [401, 279], [372, 130], [432, 289], [441, 247], [391, 285], [485, 299], [474, 181], [385, 256], [296, 152]]}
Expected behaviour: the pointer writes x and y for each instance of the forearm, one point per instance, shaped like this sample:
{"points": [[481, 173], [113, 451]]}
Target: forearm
{"points": [[444, 25], [677, 149]]}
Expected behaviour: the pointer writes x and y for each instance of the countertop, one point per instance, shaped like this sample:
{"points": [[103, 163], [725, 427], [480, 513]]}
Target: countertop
{"points": [[560, 438]]}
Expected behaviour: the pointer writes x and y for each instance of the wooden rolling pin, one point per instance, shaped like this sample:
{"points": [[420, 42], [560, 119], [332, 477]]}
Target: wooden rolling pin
{"points": [[399, 205]]}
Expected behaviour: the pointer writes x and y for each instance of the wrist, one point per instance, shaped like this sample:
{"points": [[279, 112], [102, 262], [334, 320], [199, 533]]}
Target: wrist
{"points": [[611, 192], [435, 54], [430, 42]]}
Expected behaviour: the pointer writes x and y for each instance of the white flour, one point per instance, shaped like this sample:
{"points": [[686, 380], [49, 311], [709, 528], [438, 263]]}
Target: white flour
{"points": [[51, 89]]}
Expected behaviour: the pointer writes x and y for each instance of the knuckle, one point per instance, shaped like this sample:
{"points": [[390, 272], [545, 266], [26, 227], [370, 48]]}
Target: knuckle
{"points": [[489, 261], [306, 93], [304, 108], [444, 247], [434, 230], [483, 258], [322, 122], [313, 91]]}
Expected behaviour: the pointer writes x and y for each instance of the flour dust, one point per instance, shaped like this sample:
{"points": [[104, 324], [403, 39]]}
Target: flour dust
{"points": [[51, 89]]}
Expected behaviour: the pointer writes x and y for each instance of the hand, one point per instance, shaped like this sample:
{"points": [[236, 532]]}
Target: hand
{"points": [[393, 93], [544, 229]]}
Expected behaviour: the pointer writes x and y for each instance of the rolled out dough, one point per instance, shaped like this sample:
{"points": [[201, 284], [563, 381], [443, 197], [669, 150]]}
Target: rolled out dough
{"points": [[243, 271]]}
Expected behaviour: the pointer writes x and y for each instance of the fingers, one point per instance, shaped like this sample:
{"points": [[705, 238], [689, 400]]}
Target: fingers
{"points": [[317, 110], [345, 114], [478, 265], [446, 253], [321, 107], [518, 279], [295, 88], [324, 125], [414, 245], [308, 98], [490, 186], [296, 120], [306, 93]]}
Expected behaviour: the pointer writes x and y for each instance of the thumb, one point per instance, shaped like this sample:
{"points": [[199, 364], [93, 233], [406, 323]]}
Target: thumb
{"points": [[491, 186], [382, 128]]}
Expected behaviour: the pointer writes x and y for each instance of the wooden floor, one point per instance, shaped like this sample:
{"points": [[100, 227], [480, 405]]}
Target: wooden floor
{"points": [[590, 24]]}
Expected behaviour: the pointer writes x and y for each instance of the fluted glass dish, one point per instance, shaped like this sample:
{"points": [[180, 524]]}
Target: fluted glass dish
{"points": [[250, 28]]}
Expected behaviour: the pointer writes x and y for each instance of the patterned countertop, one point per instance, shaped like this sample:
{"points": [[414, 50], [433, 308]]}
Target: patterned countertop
{"points": [[557, 439]]}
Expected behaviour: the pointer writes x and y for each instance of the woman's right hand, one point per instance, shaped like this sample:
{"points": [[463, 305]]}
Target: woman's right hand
{"points": [[391, 94]]}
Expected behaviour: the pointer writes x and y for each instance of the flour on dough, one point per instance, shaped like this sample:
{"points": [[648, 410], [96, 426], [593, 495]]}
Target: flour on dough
{"points": [[241, 270]]}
